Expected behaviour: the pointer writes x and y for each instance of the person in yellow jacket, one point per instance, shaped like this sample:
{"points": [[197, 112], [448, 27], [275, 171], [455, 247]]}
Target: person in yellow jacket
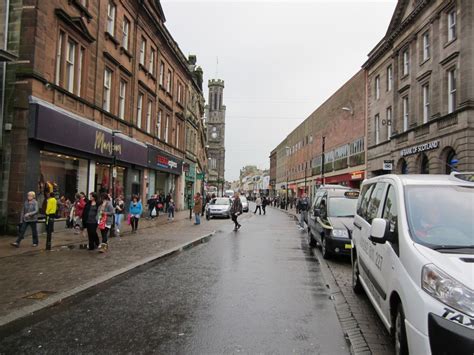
{"points": [[51, 209]]}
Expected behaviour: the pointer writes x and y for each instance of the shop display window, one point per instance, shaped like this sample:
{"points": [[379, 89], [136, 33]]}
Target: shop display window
{"points": [[103, 179], [62, 174]]}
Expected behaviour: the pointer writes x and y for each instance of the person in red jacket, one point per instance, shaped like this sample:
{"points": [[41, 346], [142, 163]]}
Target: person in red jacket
{"points": [[79, 206]]}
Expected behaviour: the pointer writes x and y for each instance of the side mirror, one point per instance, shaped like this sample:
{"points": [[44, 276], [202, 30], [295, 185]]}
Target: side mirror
{"points": [[317, 212], [379, 231]]}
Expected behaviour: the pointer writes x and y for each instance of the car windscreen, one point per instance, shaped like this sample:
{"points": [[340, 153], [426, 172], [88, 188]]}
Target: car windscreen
{"points": [[441, 216], [342, 207], [220, 201]]}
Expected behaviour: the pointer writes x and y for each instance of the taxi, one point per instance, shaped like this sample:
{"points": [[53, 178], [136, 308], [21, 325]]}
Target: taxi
{"points": [[413, 255]]}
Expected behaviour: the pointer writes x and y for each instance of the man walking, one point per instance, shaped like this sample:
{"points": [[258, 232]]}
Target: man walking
{"points": [[197, 209], [236, 210], [258, 201], [264, 204], [303, 206], [29, 217]]}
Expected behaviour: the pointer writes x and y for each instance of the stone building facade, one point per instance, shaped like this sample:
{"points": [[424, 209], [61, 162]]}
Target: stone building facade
{"points": [[100, 79], [420, 88], [216, 134]]}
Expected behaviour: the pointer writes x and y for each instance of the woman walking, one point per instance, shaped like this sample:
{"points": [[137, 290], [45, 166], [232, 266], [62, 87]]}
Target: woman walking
{"points": [[197, 208], [89, 220], [29, 217], [51, 211], [171, 208], [136, 210], [106, 215], [119, 211]]}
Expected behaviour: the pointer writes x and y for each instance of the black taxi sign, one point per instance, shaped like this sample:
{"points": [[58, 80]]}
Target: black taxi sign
{"points": [[351, 194]]}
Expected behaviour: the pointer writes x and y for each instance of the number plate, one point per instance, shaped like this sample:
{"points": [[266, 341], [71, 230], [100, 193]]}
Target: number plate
{"points": [[348, 246]]}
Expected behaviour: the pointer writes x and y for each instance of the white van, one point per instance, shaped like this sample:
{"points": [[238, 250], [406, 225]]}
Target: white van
{"points": [[413, 254]]}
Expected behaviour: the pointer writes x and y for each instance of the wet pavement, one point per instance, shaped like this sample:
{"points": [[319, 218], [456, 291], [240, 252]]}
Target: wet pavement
{"points": [[252, 291]]}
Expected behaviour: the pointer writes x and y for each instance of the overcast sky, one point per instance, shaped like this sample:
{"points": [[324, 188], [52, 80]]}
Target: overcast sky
{"points": [[280, 60]]}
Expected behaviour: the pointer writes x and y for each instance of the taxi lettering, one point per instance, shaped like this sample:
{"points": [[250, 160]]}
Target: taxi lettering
{"points": [[459, 318]]}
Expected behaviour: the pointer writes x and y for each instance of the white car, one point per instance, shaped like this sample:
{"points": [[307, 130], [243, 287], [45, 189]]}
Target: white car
{"points": [[413, 254]]}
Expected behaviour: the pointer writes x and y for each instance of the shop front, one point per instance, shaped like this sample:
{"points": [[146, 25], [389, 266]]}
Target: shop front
{"points": [[351, 179], [166, 170], [189, 169], [70, 154]]}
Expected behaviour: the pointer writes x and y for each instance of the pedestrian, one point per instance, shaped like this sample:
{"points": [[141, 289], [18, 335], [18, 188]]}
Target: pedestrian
{"points": [[236, 210], [197, 209], [79, 206], [51, 211], [258, 206], [171, 209], [119, 211], [105, 216], [303, 206], [264, 204], [29, 217], [136, 210], [152, 202], [167, 201], [89, 220]]}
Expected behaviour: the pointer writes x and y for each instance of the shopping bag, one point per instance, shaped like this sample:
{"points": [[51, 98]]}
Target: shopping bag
{"points": [[102, 222], [153, 212], [129, 219]]}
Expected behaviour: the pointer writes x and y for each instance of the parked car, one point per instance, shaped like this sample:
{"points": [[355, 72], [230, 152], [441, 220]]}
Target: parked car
{"points": [[245, 203], [229, 193], [413, 254], [218, 207], [321, 191], [331, 220]]}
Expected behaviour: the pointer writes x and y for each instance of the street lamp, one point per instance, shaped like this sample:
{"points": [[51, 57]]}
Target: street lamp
{"points": [[322, 163], [348, 109], [286, 202], [114, 175]]}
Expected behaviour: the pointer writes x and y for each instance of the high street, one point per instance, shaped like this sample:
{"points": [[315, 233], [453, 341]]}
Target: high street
{"points": [[254, 291]]}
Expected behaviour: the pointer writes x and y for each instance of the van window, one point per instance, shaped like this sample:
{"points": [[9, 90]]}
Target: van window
{"points": [[364, 200], [390, 212], [375, 200]]}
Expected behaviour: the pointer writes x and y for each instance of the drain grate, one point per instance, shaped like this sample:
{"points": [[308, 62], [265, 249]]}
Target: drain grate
{"points": [[41, 295]]}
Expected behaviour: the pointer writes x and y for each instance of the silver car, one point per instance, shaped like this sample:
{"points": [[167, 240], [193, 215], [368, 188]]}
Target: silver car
{"points": [[245, 203], [219, 207]]}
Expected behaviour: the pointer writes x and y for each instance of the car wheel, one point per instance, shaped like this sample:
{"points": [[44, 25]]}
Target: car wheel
{"points": [[401, 344], [356, 284], [324, 250], [311, 241]]}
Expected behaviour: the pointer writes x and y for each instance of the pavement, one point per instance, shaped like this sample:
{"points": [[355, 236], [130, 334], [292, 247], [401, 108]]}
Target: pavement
{"points": [[252, 291], [32, 278]]}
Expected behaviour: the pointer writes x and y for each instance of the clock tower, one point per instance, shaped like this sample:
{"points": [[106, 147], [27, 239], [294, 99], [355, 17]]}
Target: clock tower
{"points": [[216, 134]]}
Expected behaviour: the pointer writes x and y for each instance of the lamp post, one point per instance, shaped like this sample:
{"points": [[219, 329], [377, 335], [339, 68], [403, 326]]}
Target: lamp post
{"points": [[322, 167], [286, 203], [114, 175]]}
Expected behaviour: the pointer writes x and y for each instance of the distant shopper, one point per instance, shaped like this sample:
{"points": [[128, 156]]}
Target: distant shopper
{"points": [[258, 202], [136, 210], [89, 220], [152, 202], [167, 201], [197, 209], [106, 215], [265, 202], [51, 211], [119, 211], [29, 217], [79, 206], [171, 209], [236, 210], [303, 206]]}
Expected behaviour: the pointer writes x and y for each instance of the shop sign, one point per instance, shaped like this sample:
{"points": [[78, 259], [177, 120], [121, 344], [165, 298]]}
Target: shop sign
{"points": [[53, 126], [357, 175], [200, 176], [162, 161], [419, 148], [388, 165]]}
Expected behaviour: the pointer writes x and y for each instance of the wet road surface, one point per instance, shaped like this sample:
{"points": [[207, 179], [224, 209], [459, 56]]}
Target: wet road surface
{"points": [[252, 291]]}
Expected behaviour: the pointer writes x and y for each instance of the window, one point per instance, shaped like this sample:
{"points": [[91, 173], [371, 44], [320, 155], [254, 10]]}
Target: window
{"points": [[125, 33], [180, 92], [377, 87], [142, 52], [377, 129], [405, 113], [162, 74], [59, 53], [79, 72], [357, 146], [389, 122], [139, 110], [177, 135], [111, 18], [158, 124], [375, 200], [426, 46], [424, 164], [151, 64], [168, 82], [390, 213], [167, 123], [122, 98], [389, 78], [148, 116], [70, 62], [406, 62], [452, 25], [451, 90], [364, 199], [107, 89], [426, 102]]}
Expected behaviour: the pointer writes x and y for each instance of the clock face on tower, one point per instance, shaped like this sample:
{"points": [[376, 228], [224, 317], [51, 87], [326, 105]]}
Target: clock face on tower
{"points": [[214, 134]]}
